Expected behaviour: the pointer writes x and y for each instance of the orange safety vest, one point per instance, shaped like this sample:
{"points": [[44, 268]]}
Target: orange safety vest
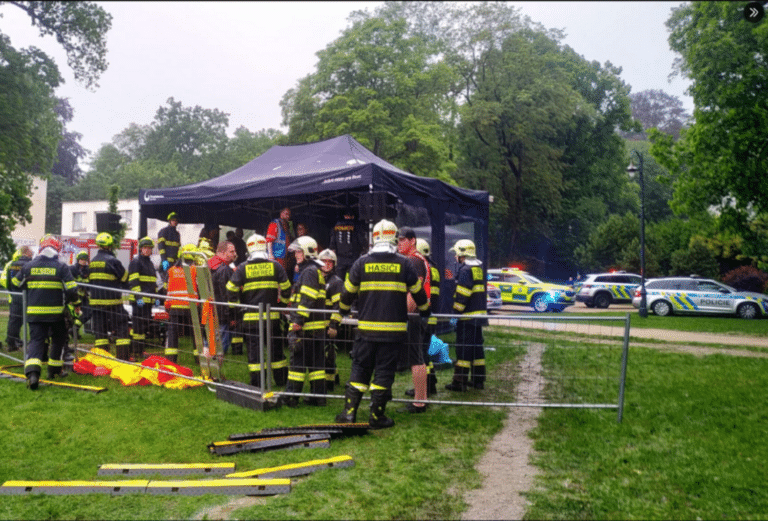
{"points": [[177, 287]]}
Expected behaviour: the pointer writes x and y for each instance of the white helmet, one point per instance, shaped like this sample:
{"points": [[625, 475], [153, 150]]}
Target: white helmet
{"points": [[385, 231], [257, 246], [305, 244], [327, 254], [464, 248], [422, 247]]}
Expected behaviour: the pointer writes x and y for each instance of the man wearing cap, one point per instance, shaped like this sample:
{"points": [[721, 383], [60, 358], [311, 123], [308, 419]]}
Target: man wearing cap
{"points": [[168, 242], [417, 329], [49, 286], [142, 278]]}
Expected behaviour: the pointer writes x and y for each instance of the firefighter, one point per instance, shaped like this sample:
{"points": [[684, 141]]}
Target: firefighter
{"points": [[379, 281], [333, 287], [81, 274], [180, 315], [142, 278], [222, 267], [13, 335], [106, 301], [434, 303], [49, 287], [168, 243], [260, 280], [348, 241], [470, 301], [307, 327]]}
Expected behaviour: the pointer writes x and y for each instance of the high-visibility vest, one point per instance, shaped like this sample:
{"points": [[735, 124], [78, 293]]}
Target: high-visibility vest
{"points": [[177, 287]]}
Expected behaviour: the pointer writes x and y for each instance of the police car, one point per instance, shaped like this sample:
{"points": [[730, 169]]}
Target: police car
{"points": [[603, 289], [692, 295], [520, 287]]}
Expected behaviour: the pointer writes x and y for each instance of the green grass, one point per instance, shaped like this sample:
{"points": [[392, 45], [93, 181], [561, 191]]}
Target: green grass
{"points": [[689, 448]]}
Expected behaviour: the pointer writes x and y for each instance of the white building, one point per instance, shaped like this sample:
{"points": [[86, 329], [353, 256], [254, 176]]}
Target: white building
{"points": [[78, 219], [31, 233]]}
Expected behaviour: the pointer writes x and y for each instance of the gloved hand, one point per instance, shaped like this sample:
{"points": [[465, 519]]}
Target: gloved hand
{"points": [[140, 302], [165, 265], [158, 303]]}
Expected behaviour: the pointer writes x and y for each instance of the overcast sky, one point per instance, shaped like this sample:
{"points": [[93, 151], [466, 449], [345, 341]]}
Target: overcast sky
{"points": [[241, 57]]}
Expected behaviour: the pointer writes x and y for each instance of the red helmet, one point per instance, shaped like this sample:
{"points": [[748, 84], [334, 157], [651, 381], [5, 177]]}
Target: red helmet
{"points": [[50, 241]]}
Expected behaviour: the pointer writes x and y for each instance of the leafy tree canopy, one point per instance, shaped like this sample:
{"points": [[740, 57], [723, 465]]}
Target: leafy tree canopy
{"points": [[656, 109]]}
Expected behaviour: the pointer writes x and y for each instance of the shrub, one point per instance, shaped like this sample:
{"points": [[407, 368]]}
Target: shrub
{"points": [[747, 278]]}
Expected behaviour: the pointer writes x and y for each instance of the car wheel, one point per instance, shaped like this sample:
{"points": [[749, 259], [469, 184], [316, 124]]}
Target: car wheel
{"points": [[747, 310], [540, 303], [602, 300], [661, 308]]}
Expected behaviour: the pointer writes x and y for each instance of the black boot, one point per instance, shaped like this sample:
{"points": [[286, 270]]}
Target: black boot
{"points": [[281, 376], [431, 384], [256, 379], [377, 419], [478, 376], [292, 387], [459, 382], [53, 372], [352, 397], [317, 387], [33, 379]]}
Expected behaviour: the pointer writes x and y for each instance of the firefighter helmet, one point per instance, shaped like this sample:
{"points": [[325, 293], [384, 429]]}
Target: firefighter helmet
{"points": [[16, 255], [305, 244], [385, 231], [105, 240], [49, 241], [82, 254], [464, 248], [173, 216], [204, 246], [327, 254], [423, 247], [188, 251], [146, 241], [256, 243]]}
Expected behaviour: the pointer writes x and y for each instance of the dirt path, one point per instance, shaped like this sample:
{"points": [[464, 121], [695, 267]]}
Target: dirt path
{"points": [[506, 466]]}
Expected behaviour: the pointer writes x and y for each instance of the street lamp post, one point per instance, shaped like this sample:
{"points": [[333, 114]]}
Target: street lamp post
{"points": [[643, 309]]}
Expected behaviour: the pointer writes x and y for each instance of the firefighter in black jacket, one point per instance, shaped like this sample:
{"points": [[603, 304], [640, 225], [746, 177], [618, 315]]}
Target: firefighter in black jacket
{"points": [[380, 282], [333, 288], [169, 242], [109, 315], [434, 303], [261, 280], [142, 278], [81, 274], [307, 328], [13, 336], [49, 287], [349, 241], [470, 301]]}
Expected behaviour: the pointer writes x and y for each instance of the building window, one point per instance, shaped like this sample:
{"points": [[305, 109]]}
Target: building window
{"points": [[78, 222], [127, 216]]}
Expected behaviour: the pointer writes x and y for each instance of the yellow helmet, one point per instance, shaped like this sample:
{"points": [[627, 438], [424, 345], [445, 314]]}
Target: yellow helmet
{"points": [[385, 231], [422, 246], [146, 241], [105, 240], [464, 248], [305, 244], [173, 216], [187, 252]]}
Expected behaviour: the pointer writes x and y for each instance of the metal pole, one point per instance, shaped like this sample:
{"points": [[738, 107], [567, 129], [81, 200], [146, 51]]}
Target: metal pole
{"points": [[261, 345], [268, 342], [623, 377], [643, 311]]}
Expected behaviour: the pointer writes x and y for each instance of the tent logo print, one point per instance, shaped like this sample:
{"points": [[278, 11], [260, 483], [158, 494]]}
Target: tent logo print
{"points": [[149, 198], [340, 179]]}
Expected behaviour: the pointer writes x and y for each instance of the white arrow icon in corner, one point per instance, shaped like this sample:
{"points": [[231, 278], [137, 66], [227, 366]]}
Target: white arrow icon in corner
{"points": [[753, 12]]}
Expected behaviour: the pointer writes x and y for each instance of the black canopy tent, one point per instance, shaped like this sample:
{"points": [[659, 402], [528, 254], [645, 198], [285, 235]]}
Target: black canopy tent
{"points": [[317, 181]]}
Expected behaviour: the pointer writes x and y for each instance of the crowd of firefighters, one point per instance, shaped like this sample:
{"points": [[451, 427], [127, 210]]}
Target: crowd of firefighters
{"points": [[393, 286]]}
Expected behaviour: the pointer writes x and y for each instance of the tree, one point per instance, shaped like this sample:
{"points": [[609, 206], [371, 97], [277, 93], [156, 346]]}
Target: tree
{"points": [[606, 246], [656, 109], [722, 159], [29, 129]]}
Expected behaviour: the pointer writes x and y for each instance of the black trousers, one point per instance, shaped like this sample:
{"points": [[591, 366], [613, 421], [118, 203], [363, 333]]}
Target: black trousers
{"points": [[374, 363], [39, 334], [13, 334]]}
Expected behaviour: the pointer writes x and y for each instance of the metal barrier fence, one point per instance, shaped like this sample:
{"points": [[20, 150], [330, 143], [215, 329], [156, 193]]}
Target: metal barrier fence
{"points": [[532, 360]]}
